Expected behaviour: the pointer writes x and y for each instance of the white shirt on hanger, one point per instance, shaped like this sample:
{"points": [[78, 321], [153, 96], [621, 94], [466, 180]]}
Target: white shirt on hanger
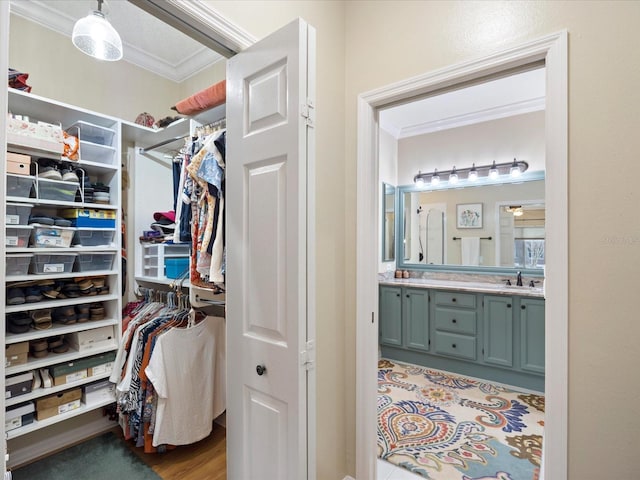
{"points": [[186, 369]]}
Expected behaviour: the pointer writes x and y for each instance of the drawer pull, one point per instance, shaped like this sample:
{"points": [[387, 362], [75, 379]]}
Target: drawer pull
{"points": [[453, 345], [407, 295], [453, 320], [453, 299], [397, 294], [508, 305], [522, 307]]}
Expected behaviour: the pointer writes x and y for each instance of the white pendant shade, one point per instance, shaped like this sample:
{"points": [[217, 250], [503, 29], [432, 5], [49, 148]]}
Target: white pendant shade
{"points": [[96, 37]]}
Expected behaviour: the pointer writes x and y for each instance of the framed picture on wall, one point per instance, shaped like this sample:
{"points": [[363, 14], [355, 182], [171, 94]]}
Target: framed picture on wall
{"points": [[469, 215]]}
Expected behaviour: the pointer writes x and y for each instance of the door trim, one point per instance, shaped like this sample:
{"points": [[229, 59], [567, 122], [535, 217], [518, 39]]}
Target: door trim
{"points": [[553, 50]]}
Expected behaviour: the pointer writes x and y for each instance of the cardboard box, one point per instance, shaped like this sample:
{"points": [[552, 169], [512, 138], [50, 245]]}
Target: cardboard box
{"points": [[16, 354], [92, 339], [58, 404], [84, 217], [64, 373], [98, 392], [102, 369], [18, 163], [18, 416], [18, 385], [69, 377]]}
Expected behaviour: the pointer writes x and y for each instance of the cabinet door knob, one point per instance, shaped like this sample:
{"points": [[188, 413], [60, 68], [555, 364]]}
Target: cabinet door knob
{"points": [[453, 299], [261, 370], [453, 345], [523, 307], [508, 305], [407, 295], [453, 320], [397, 294]]}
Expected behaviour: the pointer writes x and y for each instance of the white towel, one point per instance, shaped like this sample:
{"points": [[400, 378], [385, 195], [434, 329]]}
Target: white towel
{"points": [[470, 250]]}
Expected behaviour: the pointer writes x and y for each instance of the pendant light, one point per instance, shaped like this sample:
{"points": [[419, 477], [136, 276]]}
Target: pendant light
{"points": [[96, 37]]}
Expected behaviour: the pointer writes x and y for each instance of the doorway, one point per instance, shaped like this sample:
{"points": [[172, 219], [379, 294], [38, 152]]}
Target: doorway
{"points": [[553, 50]]}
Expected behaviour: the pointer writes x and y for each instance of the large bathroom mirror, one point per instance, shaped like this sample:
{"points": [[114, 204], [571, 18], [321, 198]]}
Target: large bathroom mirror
{"points": [[388, 222], [495, 225]]}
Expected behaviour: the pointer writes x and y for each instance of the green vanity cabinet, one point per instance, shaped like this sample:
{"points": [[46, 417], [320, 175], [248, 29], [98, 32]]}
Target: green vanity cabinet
{"points": [[404, 317], [532, 335], [415, 316], [390, 315], [455, 323], [484, 335], [498, 330]]}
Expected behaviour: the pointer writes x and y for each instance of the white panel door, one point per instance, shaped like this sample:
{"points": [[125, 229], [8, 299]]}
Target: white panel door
{"points": [[269, 156]]}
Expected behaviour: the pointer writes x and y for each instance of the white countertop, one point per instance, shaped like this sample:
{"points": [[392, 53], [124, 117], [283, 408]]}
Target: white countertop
{"points": [[470, 286]]}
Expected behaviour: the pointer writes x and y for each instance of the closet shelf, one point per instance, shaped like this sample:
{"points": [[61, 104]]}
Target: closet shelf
{"points": [[62, 250], [90, 166], [60, 303], [58, 329], [55, 358], [55, 276], [43, 392], [53, 203], [161, 281], [36, 425]]}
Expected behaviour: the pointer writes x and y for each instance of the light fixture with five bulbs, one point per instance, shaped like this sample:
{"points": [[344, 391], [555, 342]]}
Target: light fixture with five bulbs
{"points": [[494, 171]]}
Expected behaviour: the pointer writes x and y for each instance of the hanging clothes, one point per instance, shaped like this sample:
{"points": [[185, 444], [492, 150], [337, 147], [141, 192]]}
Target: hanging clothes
{"points": [[166, 360]]}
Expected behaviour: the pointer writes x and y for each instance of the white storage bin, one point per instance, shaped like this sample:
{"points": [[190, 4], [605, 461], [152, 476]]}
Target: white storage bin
{"points": [[89, 262], [53, 263], [18, 213], [18, 264], [94, 237], [17, 236]]}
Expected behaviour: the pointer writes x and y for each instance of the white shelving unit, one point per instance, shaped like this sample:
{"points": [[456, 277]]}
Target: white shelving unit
{"points": [[102, 163]]}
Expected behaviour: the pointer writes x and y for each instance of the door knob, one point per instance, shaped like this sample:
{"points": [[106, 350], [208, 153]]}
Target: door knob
{"points": [[261, 370]]}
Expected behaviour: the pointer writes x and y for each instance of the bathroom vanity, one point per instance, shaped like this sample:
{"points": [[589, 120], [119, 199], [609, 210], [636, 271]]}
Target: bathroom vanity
{"points": [[484, 330]]}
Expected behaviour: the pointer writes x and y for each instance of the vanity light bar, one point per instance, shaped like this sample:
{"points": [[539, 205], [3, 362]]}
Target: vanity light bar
{"points": [[455, 175]]}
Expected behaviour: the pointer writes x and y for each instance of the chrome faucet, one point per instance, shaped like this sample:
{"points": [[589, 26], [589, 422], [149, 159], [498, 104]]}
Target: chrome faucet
{"points": [[519, 279]]}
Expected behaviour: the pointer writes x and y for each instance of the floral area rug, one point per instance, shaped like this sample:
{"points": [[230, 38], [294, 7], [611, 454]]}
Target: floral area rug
{"points": [[446, 427]]}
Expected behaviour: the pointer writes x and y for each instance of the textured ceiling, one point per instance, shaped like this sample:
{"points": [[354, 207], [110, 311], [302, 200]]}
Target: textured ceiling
{"points": [[147, 42]]}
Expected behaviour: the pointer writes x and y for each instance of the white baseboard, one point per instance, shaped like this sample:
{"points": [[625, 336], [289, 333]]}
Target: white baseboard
{"points": [[51, 443]]}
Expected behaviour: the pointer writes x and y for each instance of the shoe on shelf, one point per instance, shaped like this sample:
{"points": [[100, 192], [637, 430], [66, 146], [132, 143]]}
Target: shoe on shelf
{"points": [[37, 381], [49, 173], [47, 381], [70, 176], [15, 296]]}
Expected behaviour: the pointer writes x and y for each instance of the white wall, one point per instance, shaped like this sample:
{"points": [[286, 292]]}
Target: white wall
{"points": [[520, 137]]}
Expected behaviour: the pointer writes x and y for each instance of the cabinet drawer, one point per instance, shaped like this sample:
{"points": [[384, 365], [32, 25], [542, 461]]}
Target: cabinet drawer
{"points": [[456, 345], [454, 299], [456, 320]]}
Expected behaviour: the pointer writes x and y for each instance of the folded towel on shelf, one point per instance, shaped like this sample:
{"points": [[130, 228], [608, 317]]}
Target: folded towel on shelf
{"points": [[205, 99], [470, 250]]}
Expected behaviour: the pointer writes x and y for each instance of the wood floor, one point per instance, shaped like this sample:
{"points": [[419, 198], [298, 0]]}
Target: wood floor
{"points": [[205, 460]]}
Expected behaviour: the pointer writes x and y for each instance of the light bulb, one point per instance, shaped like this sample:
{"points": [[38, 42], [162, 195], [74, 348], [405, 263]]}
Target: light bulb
{"points": [[453, 176], [435, 179], [515, 169], [493, 171], [473, 174], [418, 180]]}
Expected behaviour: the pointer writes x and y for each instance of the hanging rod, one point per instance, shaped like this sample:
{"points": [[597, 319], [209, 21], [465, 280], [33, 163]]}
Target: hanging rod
{"points": [[481, 238], [160, 144]]}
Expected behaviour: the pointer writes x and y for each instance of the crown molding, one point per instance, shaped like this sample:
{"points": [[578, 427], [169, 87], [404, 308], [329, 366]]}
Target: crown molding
{"points": [[43, 14], [494, 113]]}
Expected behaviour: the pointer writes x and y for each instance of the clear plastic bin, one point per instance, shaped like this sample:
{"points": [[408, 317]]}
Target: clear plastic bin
{"points": [[18, 213], [50, 236], [92, 133], [18, 264], [94, 152], [19, 185], [53, 263], [94, 237], [57, 190], [17, 236], [89, 262]]}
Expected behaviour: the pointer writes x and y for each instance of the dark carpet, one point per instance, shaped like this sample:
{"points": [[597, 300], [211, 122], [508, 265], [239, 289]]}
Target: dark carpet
{"points": [[106, 457]]}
